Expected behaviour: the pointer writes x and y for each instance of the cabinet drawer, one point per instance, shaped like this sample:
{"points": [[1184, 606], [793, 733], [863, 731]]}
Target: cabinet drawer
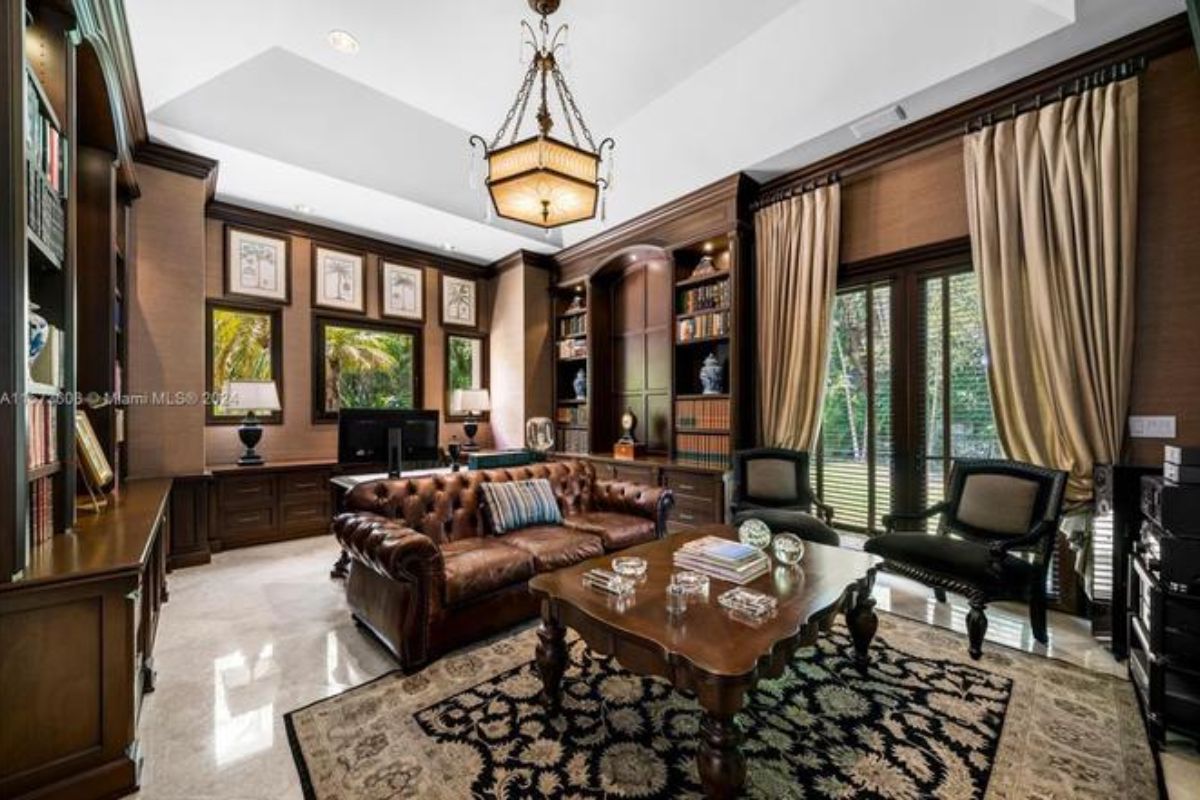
{"points": [[693, 484], [247, 520], [305, 516], [604, 470], [247, 492], [630, 473], [691, 511], [304, 484]]}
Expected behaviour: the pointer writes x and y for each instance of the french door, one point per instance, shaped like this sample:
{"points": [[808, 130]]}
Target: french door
{"points": [[906, 391]]}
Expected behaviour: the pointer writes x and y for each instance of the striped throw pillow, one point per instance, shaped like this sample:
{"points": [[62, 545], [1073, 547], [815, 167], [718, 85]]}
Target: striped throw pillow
{"points": [[514, 505]]}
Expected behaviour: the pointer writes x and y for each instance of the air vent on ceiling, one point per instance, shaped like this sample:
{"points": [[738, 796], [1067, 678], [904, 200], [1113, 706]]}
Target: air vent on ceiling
{"points": [[878, 122]]}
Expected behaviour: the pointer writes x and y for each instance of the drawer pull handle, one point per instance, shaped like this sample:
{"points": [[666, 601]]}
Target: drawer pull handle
{"points": [[686, 487], [306, 485], [305, 512], [686, 516], [250, 490], [248, 518]]}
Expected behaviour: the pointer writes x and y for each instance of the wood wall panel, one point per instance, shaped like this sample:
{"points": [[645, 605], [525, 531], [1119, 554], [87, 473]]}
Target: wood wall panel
{"points": [[913, 201], [641, 339], [1166, 371]]}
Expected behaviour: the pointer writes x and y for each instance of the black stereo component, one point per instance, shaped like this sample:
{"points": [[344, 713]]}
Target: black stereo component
{"points": [[1173, 560], [1173, 506]]}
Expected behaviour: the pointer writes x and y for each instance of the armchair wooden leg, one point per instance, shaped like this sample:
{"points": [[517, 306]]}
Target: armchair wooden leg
{"points": [[1037, 617], [976, 628], [940, 594]]}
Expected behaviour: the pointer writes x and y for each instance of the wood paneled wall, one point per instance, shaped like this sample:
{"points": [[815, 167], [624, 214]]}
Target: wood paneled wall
{"points": [[641, 334], [298, 437]]}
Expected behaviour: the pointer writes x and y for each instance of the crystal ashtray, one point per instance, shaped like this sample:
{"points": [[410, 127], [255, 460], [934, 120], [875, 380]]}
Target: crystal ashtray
{"points": [[608, 582], [748, 603], [629, 566], [693, 583]]}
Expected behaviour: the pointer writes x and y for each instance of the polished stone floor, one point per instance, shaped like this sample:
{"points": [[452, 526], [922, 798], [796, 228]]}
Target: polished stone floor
{"points": [[263, 631]]}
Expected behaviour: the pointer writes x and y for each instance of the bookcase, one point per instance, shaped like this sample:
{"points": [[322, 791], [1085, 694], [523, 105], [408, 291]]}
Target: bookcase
{"points": [[572, 368]]}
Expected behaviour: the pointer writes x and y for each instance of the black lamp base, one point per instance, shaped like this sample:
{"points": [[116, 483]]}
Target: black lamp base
{"points": [[470, 428], [250, 433]]}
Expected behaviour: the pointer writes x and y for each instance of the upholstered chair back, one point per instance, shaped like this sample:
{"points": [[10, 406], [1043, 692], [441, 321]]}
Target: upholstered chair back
{"points": [[997, 500], [770, 476]]}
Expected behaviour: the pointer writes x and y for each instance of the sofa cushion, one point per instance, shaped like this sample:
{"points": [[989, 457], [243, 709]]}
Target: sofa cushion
{"points": [[555, 547], [617, 531], [513, 505], [477, 566], [956, 559]]}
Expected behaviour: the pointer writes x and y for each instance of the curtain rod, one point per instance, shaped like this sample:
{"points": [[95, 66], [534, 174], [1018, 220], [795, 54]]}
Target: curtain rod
{"points": [[778, 196], [1084, 83]]}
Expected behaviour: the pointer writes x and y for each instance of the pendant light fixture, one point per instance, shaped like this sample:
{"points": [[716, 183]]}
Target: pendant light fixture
{"points": [[543, 180]]}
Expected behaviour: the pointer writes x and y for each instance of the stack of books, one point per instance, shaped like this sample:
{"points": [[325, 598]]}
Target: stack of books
{"points": [[723, 559]]}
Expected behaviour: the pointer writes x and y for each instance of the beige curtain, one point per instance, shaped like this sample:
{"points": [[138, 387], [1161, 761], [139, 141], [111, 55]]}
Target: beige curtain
{"points": [[1052, 201], [797, 247]]}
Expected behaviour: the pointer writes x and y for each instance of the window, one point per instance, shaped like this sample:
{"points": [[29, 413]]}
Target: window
{"points": [[906, 392], [359, 364], [466, 365], [243, 344]]}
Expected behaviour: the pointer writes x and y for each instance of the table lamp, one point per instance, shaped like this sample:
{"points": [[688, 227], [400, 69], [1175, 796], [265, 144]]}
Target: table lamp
{"points": [[472, 402], [251, 397]]}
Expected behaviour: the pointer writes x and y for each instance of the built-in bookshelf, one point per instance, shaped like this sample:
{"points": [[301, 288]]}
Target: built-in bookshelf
{"points": [[572, 369]]}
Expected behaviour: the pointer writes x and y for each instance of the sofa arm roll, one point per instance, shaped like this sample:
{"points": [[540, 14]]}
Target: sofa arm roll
{"points": [[651, 502], [390, 548]]}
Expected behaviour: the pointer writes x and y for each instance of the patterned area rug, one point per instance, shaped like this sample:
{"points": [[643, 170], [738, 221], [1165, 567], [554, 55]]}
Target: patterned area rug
{"points": [[924, 721]]}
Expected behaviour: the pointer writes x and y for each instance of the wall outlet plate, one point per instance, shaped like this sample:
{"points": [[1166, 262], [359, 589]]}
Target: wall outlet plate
{"points": [[1152, 427]]}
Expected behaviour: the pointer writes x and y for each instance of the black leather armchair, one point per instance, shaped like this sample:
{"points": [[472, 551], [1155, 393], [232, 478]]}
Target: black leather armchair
{"points": [[996, 512], [772, 484]]}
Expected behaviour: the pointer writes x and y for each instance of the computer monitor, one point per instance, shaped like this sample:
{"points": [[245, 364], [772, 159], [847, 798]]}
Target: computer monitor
{"points": [[364, 434]]}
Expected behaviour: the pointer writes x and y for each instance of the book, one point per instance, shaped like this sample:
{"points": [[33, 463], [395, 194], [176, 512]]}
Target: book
{"points": [[723, 559]]}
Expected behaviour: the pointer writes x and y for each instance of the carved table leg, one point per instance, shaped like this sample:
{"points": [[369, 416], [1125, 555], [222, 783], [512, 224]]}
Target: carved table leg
{"points": [[976, 628], [719, 759], [861, 619], [341, 567], [551, 662]]}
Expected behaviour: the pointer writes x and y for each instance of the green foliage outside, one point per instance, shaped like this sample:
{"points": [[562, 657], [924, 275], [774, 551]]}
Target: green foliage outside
{"points": [[462, 357], [241, 343], [367, 368]]}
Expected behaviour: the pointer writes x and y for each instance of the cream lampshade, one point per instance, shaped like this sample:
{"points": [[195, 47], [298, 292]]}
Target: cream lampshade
{"points": [[471, 402], [251, 397]]}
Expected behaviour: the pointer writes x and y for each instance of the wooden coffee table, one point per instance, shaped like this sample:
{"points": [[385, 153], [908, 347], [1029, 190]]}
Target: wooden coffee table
{"points": [[706, 652]]}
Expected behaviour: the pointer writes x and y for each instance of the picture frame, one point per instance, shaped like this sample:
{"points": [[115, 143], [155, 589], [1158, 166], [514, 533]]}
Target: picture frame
{"points": [[339, 279], [401, 291], [257, 265], [459, 302], [92, 461]]}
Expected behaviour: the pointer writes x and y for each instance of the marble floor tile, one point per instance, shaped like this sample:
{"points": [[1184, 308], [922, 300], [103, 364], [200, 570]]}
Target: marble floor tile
{"points": [[264, 630]]}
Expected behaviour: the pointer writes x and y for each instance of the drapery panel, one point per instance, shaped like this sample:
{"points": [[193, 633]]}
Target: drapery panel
{"points": [[1052, 202], [797, 243]]}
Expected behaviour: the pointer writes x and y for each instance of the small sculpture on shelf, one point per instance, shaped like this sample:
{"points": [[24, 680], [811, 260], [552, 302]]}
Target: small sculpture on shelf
{"points": [[576, 304], [539, 434], [705, 267], [580, 384], [712, 376]]}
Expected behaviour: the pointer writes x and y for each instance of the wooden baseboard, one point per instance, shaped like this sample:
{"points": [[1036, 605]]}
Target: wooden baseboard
{"points": [[194, 558]]}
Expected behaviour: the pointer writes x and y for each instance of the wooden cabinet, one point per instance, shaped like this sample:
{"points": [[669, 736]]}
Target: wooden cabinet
{"points": [[78, 633], [268, 503]]}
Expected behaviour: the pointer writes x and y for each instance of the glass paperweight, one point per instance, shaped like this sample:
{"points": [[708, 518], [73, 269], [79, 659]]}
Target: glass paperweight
{"points": [[693, 583], [608, 582], [629, 566], [755, 533], [788, 549]]}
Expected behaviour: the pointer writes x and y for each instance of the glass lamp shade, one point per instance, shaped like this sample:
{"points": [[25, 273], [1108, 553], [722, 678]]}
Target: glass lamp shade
{"points": [[260, 396], [544, 182], [470, 401]]}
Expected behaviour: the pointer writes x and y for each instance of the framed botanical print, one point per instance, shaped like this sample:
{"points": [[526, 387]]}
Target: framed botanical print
{"points": [[257, 265], [460, 302], [339, 279], [401, 291]]}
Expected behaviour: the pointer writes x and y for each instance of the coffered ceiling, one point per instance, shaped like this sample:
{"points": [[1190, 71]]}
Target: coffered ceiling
{"points": [[693, 90]]}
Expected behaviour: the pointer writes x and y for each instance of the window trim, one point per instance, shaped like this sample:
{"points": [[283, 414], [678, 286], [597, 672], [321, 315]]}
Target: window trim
{"points": [[485, 371], [275, 312], [319, 320]]}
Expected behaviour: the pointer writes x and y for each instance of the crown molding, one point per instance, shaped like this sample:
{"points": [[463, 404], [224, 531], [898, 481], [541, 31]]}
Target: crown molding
{"points": [[183, 162]]}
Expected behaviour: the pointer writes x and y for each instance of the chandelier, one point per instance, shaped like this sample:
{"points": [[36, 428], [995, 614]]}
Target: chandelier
{"points": [[543, 180]]}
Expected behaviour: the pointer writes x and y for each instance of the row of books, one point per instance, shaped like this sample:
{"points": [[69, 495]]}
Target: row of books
{"points": [[46, 147], [705, 414], [703, 450], [41, 510], [45, 214], [572, 326], [41, 441], [571, 415], [722, 559], [573, 348], [714, 295], [570, 441], [704, 326]]}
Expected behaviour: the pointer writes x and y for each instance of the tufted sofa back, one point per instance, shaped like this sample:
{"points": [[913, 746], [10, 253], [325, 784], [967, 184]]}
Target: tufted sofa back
{"points": [[447, 508]]}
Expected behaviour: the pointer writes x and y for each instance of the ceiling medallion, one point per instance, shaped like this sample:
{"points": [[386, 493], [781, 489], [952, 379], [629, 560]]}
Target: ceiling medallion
{"points": [[543, 180]]}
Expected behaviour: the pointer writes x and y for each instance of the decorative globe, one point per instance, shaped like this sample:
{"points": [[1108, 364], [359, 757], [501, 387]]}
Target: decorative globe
{"points": [[788, 549], [755, 533]]}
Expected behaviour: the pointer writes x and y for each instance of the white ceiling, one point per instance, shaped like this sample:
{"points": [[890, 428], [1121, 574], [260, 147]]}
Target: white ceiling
{"points": [[693, 90]]}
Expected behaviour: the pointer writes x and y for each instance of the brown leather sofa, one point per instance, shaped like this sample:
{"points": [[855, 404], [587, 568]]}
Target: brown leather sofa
{"points": [[427, 574]]}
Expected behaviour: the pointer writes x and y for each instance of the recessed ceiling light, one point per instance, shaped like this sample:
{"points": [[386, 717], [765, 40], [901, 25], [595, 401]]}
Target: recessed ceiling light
{"points": [[343, 42], [302, 208], [448, 247]]}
